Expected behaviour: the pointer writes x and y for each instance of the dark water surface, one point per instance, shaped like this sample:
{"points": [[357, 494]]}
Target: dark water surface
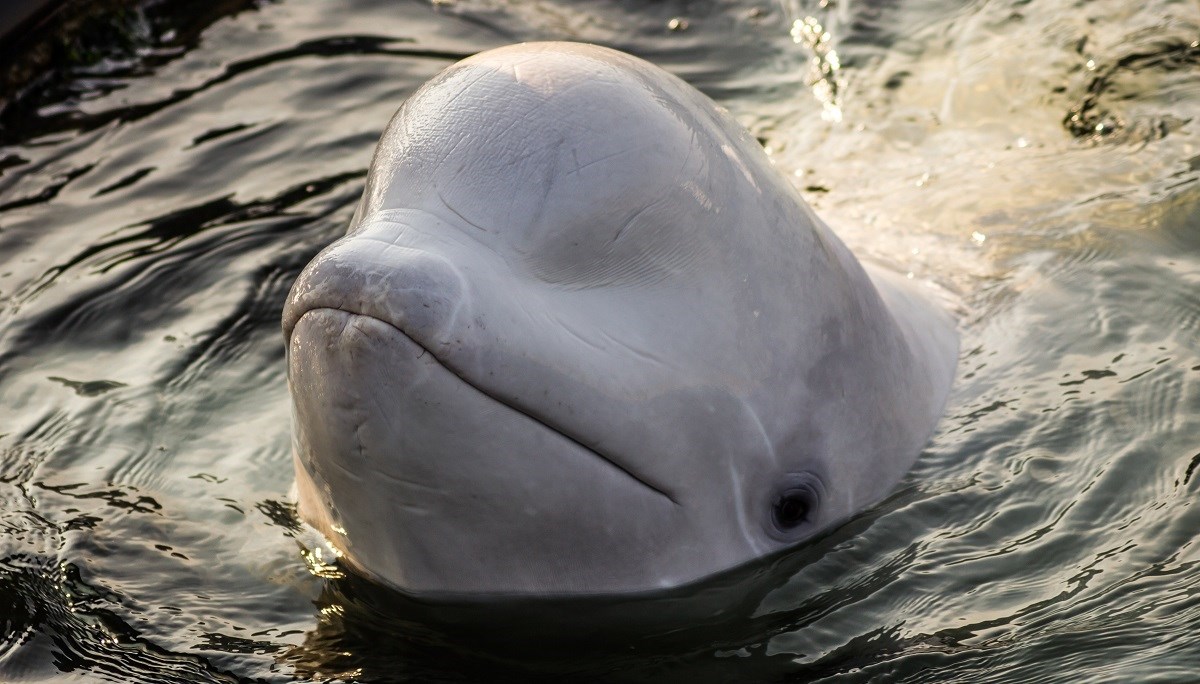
{"points": [[1036, 164]]}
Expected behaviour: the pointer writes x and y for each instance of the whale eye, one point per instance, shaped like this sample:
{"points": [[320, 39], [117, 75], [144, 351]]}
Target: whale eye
{"points": [[790, 510], [794, 506]]}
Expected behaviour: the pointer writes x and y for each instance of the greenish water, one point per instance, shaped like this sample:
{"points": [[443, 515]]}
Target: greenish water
{"points": [[1036, 164]]}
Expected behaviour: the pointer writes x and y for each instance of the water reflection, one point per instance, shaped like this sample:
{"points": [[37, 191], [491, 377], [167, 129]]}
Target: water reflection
{"points": [[156, 204], [703, 631]]}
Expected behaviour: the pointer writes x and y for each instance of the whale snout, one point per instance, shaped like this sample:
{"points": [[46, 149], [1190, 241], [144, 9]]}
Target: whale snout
{"points": [[419, 293]]}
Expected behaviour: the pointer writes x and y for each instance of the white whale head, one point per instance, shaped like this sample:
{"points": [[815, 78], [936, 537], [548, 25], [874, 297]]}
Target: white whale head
{"points": [[582, 338]]}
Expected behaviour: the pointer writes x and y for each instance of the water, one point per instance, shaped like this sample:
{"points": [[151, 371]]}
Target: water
{"points": [[1034, 165]]}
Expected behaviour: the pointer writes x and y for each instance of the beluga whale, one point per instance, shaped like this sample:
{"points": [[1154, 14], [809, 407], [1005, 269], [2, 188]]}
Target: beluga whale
{"points": [[581, 338]]}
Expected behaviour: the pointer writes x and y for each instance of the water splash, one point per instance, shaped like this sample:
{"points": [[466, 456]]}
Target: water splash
{"points": [[824, 64]]}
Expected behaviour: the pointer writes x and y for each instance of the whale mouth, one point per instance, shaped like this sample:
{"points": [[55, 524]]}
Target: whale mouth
{"points": [[531, 415]]}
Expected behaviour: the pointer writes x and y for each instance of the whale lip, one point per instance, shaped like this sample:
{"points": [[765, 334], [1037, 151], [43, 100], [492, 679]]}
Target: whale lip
{"points": [[295, 319]]}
